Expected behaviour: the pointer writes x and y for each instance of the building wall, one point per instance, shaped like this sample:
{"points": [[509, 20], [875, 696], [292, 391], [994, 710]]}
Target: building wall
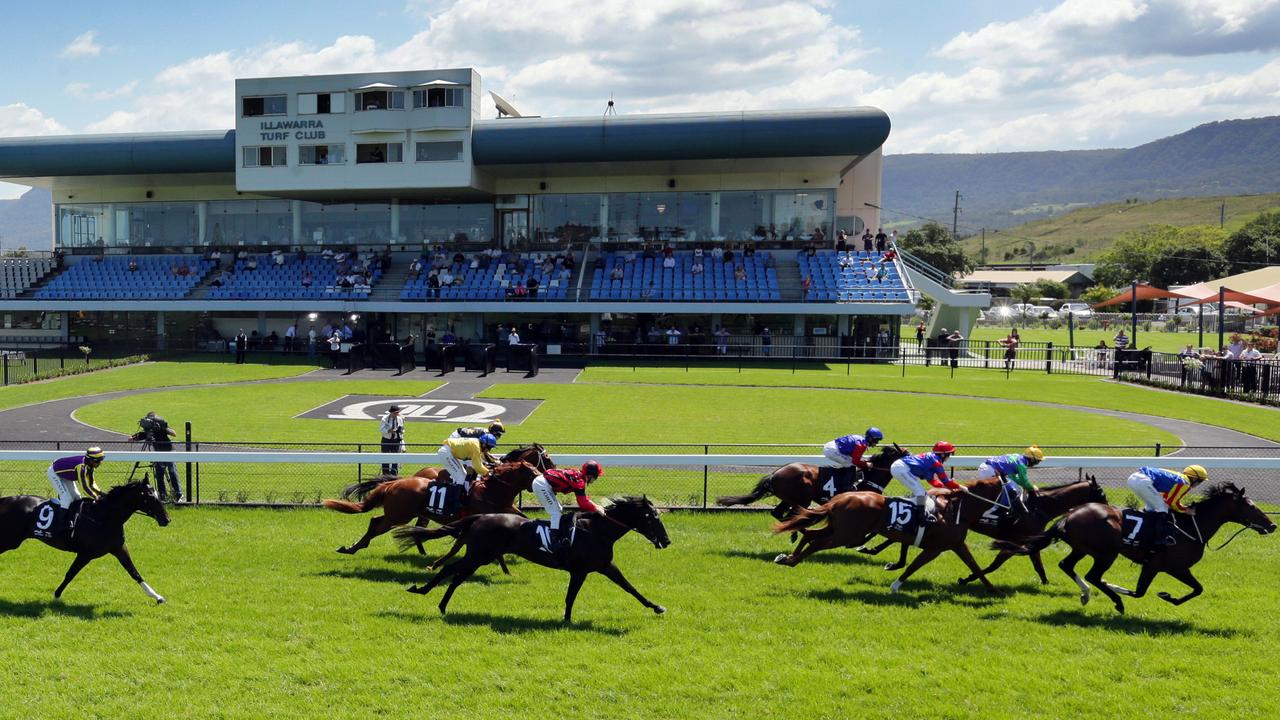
{"points": [[858, 187]]}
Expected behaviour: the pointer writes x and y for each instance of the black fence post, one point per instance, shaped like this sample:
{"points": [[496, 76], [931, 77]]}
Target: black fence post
{"points": [[190, 495], [986, 354], [706, 450], [62, 357], [4, 360], [1048, 359], [359, 466]]}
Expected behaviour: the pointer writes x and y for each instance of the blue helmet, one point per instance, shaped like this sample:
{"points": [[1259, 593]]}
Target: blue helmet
{"points": [[487, 440], [873, 433]]}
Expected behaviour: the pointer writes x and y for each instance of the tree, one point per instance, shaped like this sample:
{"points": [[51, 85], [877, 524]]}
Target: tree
{"points": [[1254, 245], [935, 245], [1097, 294], [1163, 255]]}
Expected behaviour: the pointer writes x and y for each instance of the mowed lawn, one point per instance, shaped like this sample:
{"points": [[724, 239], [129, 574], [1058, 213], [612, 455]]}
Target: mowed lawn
{"points": [[265, 620], [1158, 340]]}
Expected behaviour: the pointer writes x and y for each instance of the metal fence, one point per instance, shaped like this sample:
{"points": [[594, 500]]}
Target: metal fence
{"points": [[1249, 380], [676, 476], [20, 363]]}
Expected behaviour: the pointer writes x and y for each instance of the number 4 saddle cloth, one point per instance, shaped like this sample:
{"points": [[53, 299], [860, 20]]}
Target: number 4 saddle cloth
{"points": [[833, 481]]}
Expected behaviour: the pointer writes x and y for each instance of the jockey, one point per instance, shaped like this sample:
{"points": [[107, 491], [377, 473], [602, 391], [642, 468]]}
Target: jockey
{"points": [[456, 453], [496, 429], [913, 469], [71, 474], [566, 480], [1162, 490], [847, 451], [1012, 469]]}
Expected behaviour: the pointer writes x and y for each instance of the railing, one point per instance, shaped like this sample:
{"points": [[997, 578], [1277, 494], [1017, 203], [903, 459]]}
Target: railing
{"points": [[924, 268], [1249, 380], [685, 476]]}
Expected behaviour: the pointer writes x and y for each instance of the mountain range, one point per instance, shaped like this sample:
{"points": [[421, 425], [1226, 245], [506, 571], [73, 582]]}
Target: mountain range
{"points": [[998, 190]]}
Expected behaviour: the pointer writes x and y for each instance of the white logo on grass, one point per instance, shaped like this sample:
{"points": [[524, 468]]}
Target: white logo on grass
{"points": [[421, 409]]}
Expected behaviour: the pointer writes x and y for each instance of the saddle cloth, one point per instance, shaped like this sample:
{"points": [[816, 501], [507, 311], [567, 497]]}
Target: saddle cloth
{"points": [[902, 514], [445, 498], [833, 481], [51, 521], [1135, 527]]}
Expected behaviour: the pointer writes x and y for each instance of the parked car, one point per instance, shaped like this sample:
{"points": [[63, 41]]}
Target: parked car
{"points": [[1044, 312], [1080, 310]]}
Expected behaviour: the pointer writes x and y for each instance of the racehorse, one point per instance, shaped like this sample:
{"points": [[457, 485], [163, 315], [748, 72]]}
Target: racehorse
{"points": [[854, 518], [1095, 529], [405, 499], [798, 485], [488, 537], [1047, 504], [99, 531]]}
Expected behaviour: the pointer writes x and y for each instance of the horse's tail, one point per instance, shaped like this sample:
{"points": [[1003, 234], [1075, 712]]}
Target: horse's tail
{"points": [[364, 487], [803, 518], [1035, 543], [762, 488], [370, 498], [407, 537]]}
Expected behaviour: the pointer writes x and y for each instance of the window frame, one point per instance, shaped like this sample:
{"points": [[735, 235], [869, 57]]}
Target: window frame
{"points": [[263, 98], [386, 153], [328, 153], [417, 150], [273, 151], [448, 93], [390, 102]]}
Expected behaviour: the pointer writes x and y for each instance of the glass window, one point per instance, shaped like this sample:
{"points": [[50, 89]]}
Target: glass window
{"points": [[439, 151], [447, 224], [380, 100], [321, 154], [346, 223], [320, 103], [777, 216], [379, 153], [266, 156], [151, 224], [566, 218], [249, 222], [438, 97], [267, 105]]}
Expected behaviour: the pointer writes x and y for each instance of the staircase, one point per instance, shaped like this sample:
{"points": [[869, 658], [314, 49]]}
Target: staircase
{"points": [[393, 279], [956, 309], [789, 280]]}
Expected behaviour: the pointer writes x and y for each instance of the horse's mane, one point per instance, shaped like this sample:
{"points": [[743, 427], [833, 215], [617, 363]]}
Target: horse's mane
{"points": [[1061, 486], [1221, 490], [627, 501], [118, 491]]}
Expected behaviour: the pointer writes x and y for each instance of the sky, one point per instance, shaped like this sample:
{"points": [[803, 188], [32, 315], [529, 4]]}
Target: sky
{"points": [[955, 76]]}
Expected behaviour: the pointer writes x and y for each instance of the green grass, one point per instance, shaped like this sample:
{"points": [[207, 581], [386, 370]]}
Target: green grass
{"points": [[265, 620], [1077, 390], [145, 375], [1093, 229], [1157, 340]]}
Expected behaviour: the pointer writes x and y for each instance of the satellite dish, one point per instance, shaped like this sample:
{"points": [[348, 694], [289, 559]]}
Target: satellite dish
{"points": [[505, 109]]}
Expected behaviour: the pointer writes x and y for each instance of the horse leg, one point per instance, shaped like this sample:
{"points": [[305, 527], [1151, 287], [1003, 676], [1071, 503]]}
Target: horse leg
{"points": [[1184, 576], [902, 558], [421, 522], [126, 562], [613, 573], [1068, 566], [875, 550], [76, 566], [1001, 558], [502, 563], [967, 556], [804, 550], [575, 584], [377, 526], [1036, 562], [1102, 563], [465, 569], [457, 545], [1144, 581], [435, 580], [924, 558]]}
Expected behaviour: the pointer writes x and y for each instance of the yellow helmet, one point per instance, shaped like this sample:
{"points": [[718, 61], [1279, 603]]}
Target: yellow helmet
{"points": [[1034, 453], [95, 453], [1195, 473]]}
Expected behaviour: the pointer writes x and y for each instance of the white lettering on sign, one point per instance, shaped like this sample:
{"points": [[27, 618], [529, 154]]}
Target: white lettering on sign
{"points": [[431, 410]]}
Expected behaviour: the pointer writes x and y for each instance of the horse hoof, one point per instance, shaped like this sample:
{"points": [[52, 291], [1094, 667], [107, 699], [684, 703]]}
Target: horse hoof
{"points": [[160, 601], [1165, 596], [965, 580], [895, 587], [781, 559], [658, 610], [893, 566], [1120, 608], [416, 589], [866, 550], [346, 551], [443, 609]]}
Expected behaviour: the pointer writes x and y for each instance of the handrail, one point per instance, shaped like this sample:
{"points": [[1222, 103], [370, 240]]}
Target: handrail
{"points": [[927, 270]]}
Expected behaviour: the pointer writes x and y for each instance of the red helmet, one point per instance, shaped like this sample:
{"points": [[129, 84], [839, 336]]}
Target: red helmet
{"points": [[942, 446], [592, 469]]}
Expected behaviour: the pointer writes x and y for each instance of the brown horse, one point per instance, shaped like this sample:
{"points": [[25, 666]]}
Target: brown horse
{"points": [[854, 518], [798, 485], [1095, 529], [1047, 504], [404, 500]]}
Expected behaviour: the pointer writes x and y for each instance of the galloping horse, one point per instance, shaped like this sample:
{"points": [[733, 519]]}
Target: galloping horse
{"points": [[798, 485], [1048, 503], [1095, 529], [854, 518], [404, 500], [489, 537], [99, 531]]}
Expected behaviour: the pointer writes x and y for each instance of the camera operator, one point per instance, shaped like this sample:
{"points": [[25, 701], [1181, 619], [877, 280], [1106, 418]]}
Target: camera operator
{"points": [[155, 435]]}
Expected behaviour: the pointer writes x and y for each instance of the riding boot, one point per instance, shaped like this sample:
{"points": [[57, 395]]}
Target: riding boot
{"points": [[562, 539]]}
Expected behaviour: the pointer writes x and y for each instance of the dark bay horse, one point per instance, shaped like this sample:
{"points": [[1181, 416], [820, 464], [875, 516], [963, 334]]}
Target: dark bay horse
{"points": [[404, 500], [1094, 530], [488, 537], [854, 518], [1048, 504], [798, 486], [99, 531]]}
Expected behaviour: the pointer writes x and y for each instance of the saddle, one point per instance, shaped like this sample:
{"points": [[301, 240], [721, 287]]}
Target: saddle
{"points": [[51, 522]]}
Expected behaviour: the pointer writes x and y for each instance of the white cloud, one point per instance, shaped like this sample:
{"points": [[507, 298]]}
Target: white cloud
{"points": [[20, 119], [85, 91], [85, 45]]}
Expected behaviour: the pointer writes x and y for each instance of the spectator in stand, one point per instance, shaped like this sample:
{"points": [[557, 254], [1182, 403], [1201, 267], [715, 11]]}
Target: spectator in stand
{"points": [[277, 257], [696, 268], [433, 284], [290, 337], [766, 340], [739, 274], [532, 284], [648, 253], [882, 272], [893, 238], [301, 255], [616, 273], [569, 263], [728, 255], [673, 335], [846, 261], [806, 284], [1121, 340], [889, 256], [335, 349], [749, 250], [415, 269], [1188, 352], [458, 258], [1249, 356], [717, 253], [1236, 347], [133, 265], [216, 256], [867, 240], [219, 278], [881, 239], [251, 263], [697, 251], [811, 250], [513, 338], [954, 341], [722, 340], [326, 254], [842, 241], [819, 237], [242, 255], [445, 277], [668, 262], [307, 279], [668, 251]]}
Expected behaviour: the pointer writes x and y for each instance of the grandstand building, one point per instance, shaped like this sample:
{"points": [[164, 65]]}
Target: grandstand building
{"points": [[349, 198]]}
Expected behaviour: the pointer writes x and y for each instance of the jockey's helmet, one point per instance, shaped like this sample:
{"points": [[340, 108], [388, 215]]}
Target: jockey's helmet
{"points": [[1033, 454], [874, 435], [942, 447], [496, 428], [487, 440], [94, 456], [1196, 474], [592, 469]]}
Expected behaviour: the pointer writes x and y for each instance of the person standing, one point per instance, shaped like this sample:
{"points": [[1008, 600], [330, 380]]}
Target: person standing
{"points": [[953, 347], [335, 348], [766, 340], [290, 336], [392, 428], [311, 341], [155, 431], [242, 344]]}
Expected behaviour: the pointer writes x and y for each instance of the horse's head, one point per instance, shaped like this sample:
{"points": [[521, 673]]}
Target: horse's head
{"points": [[888, 455], [137, 496], [641, 515], [1096, 493], [1236, 507], [533, 454]]}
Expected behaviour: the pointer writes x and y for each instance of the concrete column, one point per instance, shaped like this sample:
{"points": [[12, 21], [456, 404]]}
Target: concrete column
{"points": [[844, 324], [262, 324], [160, 338], [715, 321], [715, 214], [604, 216], [797, 325], [202, 222], [295, 211], [109, 224], [395, 219]]}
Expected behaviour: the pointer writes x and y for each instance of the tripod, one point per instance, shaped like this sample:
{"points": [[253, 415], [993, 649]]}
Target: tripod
{"points": [[146, 447]]}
